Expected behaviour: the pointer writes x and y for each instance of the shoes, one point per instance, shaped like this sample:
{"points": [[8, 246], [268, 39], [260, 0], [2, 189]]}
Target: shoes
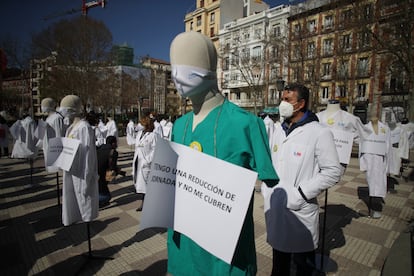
{"points": [[103, 204], [375, 214]]}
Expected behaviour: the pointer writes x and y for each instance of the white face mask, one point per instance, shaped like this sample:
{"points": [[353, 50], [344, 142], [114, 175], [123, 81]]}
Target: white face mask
{"points": [[67, 112], [46, 109], [190, 80], [286, 109]]}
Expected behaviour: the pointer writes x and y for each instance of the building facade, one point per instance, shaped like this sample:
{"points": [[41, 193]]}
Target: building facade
{"points": [[254, 58]]}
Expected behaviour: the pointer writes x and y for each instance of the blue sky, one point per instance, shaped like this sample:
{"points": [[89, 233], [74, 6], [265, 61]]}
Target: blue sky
{"points": [[146, 26]]}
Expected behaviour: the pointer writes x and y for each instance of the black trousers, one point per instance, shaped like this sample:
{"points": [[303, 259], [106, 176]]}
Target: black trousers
{"points": [[304, 261]]}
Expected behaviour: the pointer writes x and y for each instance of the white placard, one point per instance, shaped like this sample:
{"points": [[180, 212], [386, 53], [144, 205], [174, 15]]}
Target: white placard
{"points": [[61, 152], [374, 144], [343, 142], [211, 197]]}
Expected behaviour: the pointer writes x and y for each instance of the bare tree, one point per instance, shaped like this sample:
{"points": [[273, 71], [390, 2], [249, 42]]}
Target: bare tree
{"points": [[81, 46]]}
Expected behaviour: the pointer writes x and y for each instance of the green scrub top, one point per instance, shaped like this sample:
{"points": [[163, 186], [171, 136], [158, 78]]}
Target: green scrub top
{"points": [[234, 135]]}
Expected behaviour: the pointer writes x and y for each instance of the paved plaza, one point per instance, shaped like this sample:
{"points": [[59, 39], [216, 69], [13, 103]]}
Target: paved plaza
{"points": [[34, 242]]}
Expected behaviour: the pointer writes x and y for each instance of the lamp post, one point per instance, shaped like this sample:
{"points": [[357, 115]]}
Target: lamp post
{"points": [[280, 85]]}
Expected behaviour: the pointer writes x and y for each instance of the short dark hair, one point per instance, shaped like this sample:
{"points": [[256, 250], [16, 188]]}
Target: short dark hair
{"points": [[110, 140], [303, 92]]}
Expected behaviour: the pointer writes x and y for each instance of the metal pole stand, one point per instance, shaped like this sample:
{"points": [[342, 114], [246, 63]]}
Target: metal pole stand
{"points": [[89, 256], [324, 262]]}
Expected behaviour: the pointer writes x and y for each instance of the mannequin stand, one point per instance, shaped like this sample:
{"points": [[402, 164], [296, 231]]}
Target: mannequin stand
{"points": [[89, 256], [31, 172], [325, 265], [57, 188]]}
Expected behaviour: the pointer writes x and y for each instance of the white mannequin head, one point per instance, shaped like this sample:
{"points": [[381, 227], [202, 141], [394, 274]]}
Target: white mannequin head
{"points": [[48, 105], [194, 63], [71, 107]]}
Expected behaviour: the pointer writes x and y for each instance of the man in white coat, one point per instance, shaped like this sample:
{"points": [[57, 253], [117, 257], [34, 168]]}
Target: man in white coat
{"points": [[111, 129], [306, 160]]}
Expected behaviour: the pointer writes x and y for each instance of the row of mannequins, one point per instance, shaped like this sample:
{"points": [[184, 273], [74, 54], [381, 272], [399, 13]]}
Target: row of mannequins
{"points": [[377, 164], [80, 183]]}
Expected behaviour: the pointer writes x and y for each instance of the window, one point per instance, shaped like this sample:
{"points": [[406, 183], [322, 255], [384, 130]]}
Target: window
{"points": [[276, 30], [343, 69], [257, 53], [325, 92], [309, 73], [312, 26], [364, 39], [226, 63], [327, 46], [362, 89], [201, 3], [257, 32], [275, 52], [346, 42], [297, 29], [342, 91], [311, 49], [199, 21], [368, 12], [346, 17], [245, 54], [326, 71], [212, 17], [328, 22], [212, 32], [362, 67], [191, 26]]}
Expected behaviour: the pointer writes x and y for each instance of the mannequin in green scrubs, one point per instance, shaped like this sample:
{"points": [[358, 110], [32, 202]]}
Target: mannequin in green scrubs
{"points": [[219, 128]]}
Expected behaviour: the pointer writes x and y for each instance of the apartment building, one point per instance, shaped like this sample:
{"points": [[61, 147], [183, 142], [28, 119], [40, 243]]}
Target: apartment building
{"points": [[211, 15], [254, 58]]}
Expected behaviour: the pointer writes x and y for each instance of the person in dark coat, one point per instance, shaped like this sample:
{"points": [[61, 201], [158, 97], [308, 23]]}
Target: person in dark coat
{"points": [[107, 161]]}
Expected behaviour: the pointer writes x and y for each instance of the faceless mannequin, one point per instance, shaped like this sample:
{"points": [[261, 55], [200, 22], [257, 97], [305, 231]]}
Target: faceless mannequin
{"points": [[48, 105], [202, 54], [374, 122], [333, 106], [71, 107]]}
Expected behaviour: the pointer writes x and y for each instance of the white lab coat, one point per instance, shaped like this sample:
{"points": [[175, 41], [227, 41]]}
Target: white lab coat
{"points": [[54, 128], [399, 137], [167, 130], [376, 166], [308, 159], [141, 164], [345, 121], [23, 132], [270, 127], [111, 129], [99, 136], [130, 133], [80, 185], [158, 128]]}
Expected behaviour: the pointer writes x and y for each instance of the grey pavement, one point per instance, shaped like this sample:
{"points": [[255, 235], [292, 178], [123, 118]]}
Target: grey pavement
{"points": [[34, 242]]}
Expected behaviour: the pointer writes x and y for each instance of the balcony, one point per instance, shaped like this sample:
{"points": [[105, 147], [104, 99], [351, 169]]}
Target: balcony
{"points": [[248, 103]]}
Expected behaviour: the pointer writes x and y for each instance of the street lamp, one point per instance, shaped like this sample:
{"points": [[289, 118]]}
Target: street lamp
{"points": [[280, 85]]}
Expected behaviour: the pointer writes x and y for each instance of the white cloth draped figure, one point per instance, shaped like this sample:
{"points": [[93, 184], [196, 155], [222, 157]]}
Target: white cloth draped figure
{"points": [[374, 160], [80, 184], [141, 164], [111, 129], [130, 133], [399, 148], [25, 144], [54, 128]]}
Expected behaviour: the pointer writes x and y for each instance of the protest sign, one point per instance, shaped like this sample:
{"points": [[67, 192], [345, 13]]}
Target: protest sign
{"points": [[211, 197], [61, 152], [343, 142]]}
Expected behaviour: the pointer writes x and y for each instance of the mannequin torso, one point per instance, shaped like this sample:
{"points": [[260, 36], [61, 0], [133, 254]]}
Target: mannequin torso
{"points": [[203, 108], [332, 108]]}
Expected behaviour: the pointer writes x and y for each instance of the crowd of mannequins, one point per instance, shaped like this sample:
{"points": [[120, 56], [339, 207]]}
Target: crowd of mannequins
{"points": [[293, 153]]}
